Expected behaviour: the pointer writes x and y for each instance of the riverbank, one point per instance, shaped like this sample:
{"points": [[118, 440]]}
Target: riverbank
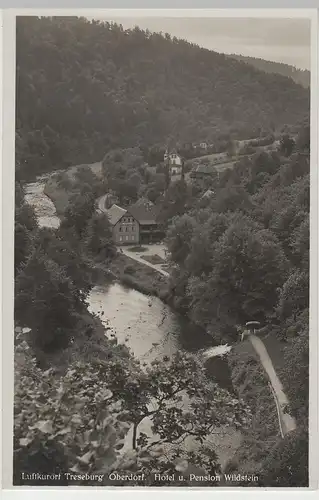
{"points": [[92, 342], [61, 185], [59, 196], [152, 255], [249, 380], [140, 277], [133, 273]]}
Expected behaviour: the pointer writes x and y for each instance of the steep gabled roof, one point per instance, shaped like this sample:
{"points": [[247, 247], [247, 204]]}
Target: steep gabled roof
{"points": [[208, 193], [144, 212], [115, 213], [143, 202]]}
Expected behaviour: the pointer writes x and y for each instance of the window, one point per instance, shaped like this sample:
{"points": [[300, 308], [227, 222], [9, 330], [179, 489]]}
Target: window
{"points": [[121, 238], [126, 229], [120, 229], [126, 237]]}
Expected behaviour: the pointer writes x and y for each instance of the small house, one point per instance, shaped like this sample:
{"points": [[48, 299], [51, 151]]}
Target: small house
{"points": [[202, 171], [173, 158], [174, 162], [125, 228], [135, 225], [208, 194], [145, 212]]}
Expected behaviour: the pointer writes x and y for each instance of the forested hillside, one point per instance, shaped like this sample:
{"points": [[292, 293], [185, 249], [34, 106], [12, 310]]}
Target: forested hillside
{"points": [[84, 88], [237, 243], [301, 76], [242, 254]]}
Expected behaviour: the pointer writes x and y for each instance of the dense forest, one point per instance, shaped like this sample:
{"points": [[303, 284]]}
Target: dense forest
{"points": [[242, 254], [300, 76], [85, 88]]}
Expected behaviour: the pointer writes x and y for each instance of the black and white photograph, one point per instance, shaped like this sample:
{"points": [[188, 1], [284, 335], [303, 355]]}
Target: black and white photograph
{"points": [[161, 250]]}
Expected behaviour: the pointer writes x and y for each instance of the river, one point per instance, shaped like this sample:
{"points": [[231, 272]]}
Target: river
{"points": [[43, 206], [150, 328]]}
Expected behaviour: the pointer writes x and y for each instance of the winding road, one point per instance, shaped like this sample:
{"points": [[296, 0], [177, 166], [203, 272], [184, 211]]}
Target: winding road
{"points": [[100, 203], [138, 258], [286, 422]]}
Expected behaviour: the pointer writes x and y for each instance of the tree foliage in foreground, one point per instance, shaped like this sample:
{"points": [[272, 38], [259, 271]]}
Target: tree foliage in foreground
{"points": [[69, 416], [82, 417], [287, 463], [46, 300], [98, 241]]}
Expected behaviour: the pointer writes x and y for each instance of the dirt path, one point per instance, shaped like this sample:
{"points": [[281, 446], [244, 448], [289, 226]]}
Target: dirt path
{"points": [[286, 422], [100, 203], [136, 257]]}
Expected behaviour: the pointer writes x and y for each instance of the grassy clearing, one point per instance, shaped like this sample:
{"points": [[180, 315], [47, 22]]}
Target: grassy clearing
{"points": [[223, 166]]}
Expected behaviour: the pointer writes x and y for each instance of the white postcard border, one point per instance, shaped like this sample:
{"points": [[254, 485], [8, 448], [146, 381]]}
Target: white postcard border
{"points": [[8, 166]]}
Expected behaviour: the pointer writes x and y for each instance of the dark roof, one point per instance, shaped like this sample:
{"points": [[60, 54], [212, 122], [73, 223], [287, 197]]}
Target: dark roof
{"points": [[205, 169], [115, 213], [144, 212], [208, 193]]}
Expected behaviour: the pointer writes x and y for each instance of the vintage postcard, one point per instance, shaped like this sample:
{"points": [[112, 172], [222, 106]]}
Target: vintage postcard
{"points": [[162, 166]]}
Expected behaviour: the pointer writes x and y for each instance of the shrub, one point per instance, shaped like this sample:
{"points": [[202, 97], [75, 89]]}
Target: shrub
{"points": [[61, 426], [129, 269]]}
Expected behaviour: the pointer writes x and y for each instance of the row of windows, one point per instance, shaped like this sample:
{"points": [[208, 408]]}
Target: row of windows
{"points": [[127, 219], [127, 229], [127, 238]]}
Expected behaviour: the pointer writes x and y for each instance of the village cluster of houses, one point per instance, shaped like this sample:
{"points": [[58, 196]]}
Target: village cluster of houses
{"points": [[173, 159], [138, 223]]}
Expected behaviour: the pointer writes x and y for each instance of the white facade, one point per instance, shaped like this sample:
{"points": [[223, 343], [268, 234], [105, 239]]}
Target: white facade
{"points": [[175, 169], [173, 158]]}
